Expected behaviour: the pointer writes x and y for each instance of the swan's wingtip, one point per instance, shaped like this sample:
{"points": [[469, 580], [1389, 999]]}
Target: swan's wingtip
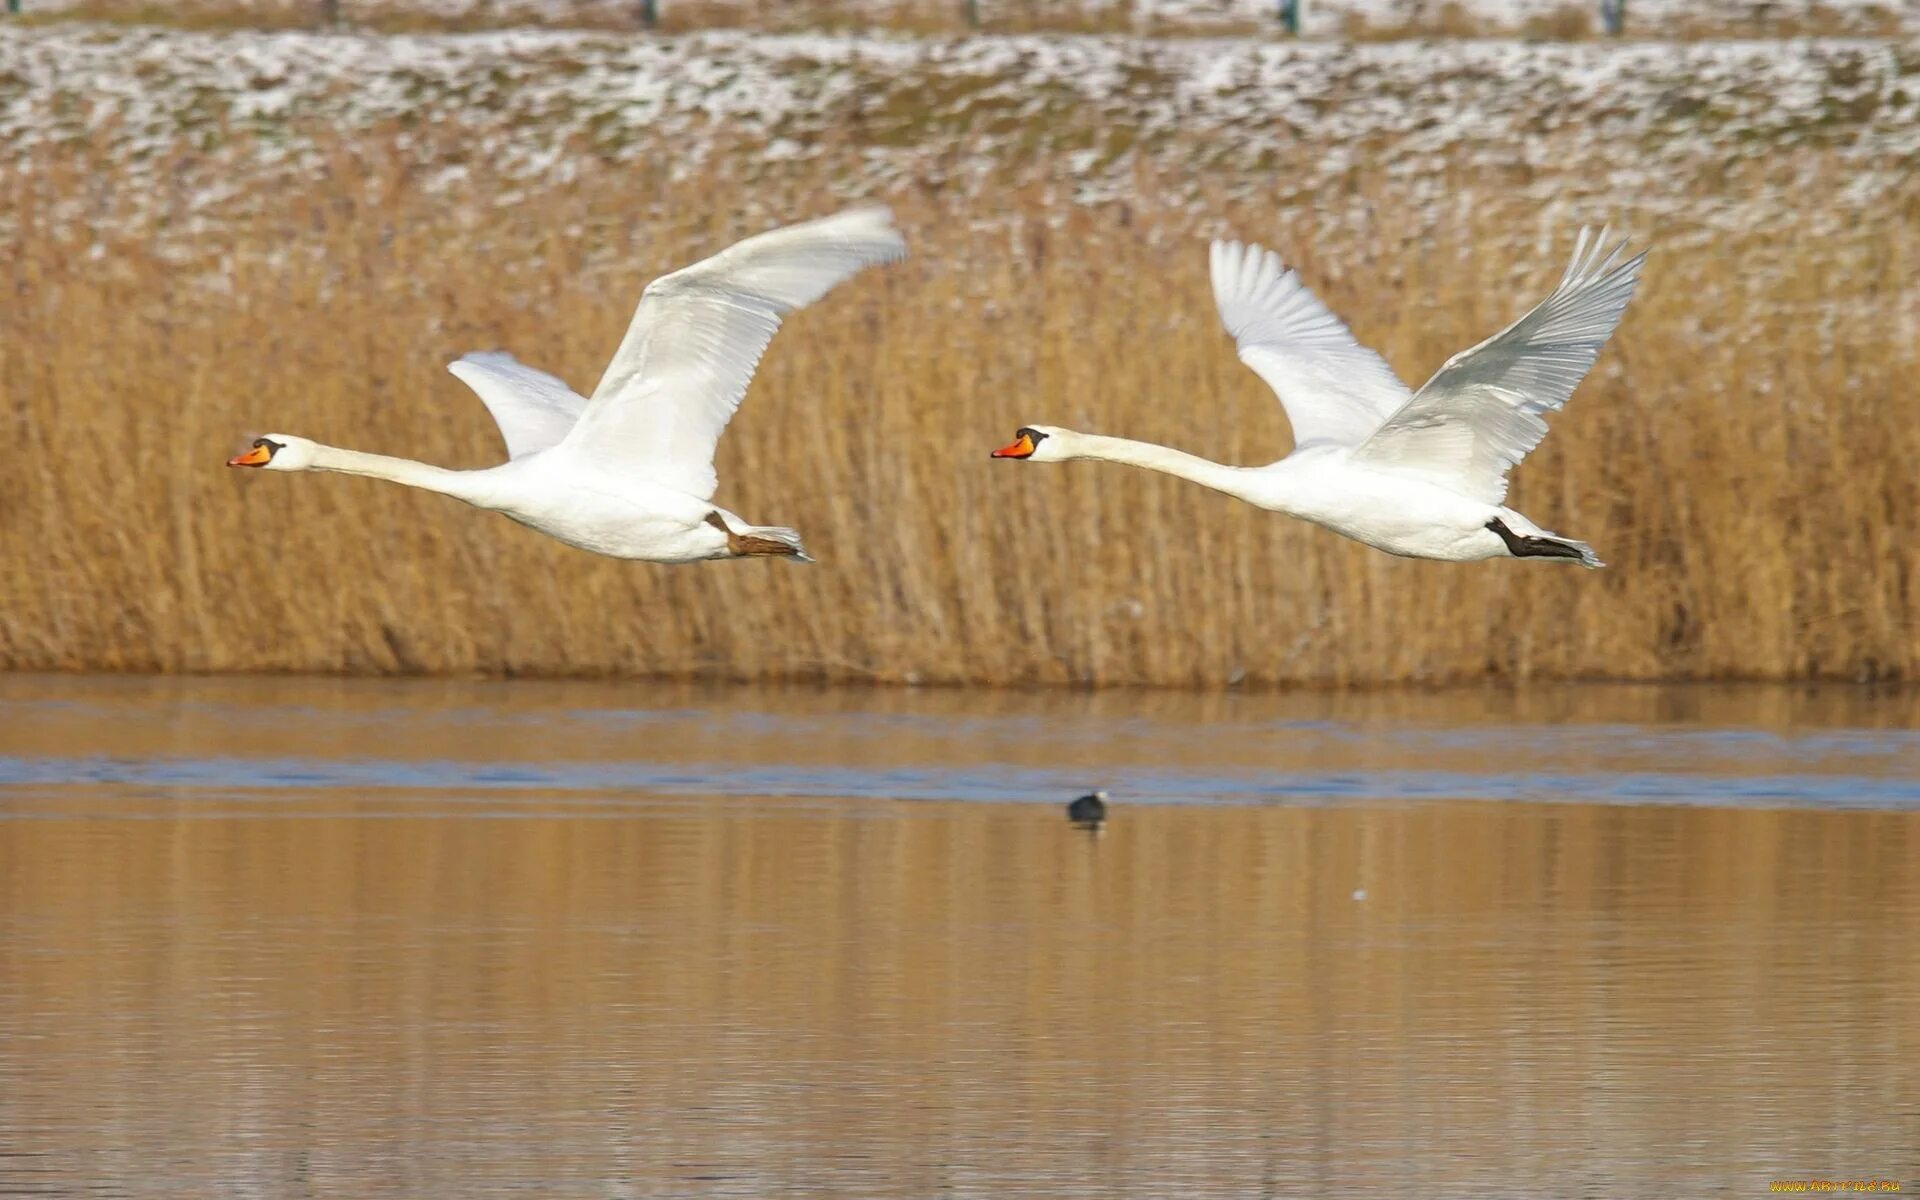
{"points": [[481, 358], [1231, 255], [880, 216]]}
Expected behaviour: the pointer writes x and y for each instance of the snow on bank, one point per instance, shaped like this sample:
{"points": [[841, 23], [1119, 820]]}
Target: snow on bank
{"points": [[1648, 17], [1645, 121]]}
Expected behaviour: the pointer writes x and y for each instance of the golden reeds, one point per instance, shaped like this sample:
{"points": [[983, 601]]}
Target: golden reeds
{"points": [[1742, 456]]}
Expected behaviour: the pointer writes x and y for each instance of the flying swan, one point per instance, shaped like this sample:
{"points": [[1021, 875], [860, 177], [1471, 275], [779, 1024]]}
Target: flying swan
{"points": [[629, 473], [1419, 474]]}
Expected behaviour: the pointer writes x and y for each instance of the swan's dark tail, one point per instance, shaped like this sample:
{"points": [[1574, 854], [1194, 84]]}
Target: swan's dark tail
{"points": [[1545, 545]]}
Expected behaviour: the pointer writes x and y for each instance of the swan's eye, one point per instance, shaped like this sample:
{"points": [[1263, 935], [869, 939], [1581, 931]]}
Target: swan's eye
{"points": [[1033, 435], [267, 444]]}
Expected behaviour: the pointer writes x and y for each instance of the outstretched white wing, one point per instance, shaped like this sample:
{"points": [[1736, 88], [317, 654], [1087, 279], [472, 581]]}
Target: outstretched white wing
{"points": [[698, 335], [1481, 412], [533, 409], [1334, 389]]}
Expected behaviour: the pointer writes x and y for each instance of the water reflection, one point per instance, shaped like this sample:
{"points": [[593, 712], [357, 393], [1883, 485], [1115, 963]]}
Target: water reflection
{"points": [[714, 995]]}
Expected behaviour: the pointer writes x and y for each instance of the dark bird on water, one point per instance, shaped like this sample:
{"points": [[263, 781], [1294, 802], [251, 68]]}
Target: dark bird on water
{"points": [[1089, 810]]}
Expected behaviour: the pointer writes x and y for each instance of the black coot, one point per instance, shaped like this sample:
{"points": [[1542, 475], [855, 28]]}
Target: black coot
{"points": [[1089, 810]]}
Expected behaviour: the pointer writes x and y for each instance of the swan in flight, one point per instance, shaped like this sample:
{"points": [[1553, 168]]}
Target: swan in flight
{"points": [[629, 472], [1419, 474]]}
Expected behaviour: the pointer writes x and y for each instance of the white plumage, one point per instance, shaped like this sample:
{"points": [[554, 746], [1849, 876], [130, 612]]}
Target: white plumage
{"points": [[1417, 474], [1335, 391], [697, 338], [1480, 414], [533, 409], [629, 472]]}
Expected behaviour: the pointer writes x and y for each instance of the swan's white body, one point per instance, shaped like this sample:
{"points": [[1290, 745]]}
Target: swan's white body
{"points": [[629, 473], [1422, 474]]}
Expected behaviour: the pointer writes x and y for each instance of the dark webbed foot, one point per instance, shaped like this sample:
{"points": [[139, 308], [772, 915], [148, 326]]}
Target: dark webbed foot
{"points": [[1526, 546]]}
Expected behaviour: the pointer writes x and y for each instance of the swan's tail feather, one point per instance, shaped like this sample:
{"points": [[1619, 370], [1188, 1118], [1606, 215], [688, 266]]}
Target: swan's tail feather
{"points": [[1534, 542]]}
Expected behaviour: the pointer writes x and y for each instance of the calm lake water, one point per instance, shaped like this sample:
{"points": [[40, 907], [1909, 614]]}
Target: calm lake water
{"points": [[284, 938]]}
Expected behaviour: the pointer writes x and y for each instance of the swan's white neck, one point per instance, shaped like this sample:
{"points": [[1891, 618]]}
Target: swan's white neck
{"points": [[1168, 461], [461, 485]]}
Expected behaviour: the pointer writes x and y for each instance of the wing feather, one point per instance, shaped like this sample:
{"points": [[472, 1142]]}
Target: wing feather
{"points": [[533, 409], [698, 335], [1334, 390], [1482, 412]]}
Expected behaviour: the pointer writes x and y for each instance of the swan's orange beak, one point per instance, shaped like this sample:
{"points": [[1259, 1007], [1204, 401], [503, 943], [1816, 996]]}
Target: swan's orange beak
{"points": [[1020, 449], [256, 457]]}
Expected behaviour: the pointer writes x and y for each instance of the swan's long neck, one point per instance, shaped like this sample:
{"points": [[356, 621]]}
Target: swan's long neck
{"points": [[1166, 460], [461, 485]]}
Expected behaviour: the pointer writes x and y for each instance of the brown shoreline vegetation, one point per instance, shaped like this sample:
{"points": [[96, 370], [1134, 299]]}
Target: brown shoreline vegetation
{"points": [[1743, 456]]}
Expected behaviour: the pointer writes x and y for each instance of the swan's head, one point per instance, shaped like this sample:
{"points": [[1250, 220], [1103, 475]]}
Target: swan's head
{"points": [[276, 452], [1041, 443]]}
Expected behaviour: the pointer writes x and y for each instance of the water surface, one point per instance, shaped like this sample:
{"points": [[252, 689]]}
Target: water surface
{"points": [[319, 938]]}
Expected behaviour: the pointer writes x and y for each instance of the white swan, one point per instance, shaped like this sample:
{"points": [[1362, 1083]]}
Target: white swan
{"points": [[629, 473], [1416, 474]]}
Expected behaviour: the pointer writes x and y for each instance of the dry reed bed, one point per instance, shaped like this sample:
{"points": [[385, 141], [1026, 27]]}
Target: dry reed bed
{"points": [[1742, 456]]}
